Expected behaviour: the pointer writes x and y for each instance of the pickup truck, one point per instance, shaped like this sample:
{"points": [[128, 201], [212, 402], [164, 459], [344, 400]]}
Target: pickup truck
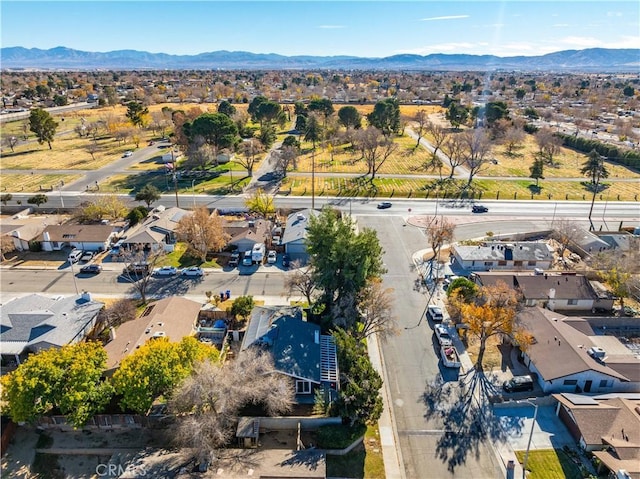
{"points": [[450, 357]]}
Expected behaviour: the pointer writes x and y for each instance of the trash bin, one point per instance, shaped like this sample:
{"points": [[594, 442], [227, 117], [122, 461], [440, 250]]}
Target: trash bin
{"points": [[228, 294]]}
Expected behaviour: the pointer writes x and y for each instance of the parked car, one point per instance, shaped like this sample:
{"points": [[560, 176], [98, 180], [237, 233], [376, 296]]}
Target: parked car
{"points": [[272, 257], [479, 209], [286, 261], [165, 271], [193, 271], [518, 383], [235, 259], [127, 154], [247, 260], [136, 269], [384, 205], [444, 339], [91, 269], [75, 256], [87, 256], [434, 313]]}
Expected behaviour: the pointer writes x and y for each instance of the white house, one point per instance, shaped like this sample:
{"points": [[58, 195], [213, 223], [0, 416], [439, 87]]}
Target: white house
{"points": [[496, 255], [85, 237], [569, 355]]}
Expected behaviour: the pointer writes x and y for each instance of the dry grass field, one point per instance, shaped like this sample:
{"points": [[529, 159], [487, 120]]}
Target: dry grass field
{"points": [[33, 182]]}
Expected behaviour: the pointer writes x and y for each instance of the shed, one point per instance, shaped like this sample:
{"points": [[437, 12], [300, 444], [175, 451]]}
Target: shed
{"points": [[248, 432]]}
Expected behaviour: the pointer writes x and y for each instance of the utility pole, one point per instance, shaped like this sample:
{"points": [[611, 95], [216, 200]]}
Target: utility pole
{"points": [[175, 186], [313, 178]]}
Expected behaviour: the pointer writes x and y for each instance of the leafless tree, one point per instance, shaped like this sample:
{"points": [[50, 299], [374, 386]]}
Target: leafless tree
{"points": [[421, 121], [285, 157], [477, 147], [138, 266], [301, 281], [121, 311], [565, 231], [251, 150], [439, 136], [455, 152], [6, 246], [375, 305], [10, 141], [512, 139], [200, 154], [92, 148], [208, 401], [202, 232], [375, 149], [548, 144]]}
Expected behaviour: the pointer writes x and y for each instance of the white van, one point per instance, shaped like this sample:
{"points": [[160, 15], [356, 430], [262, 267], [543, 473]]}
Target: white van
{"points": [[75, 256]]}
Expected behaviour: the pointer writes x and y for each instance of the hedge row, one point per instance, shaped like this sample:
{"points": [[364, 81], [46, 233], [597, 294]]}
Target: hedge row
{"points": [[628, 158]]}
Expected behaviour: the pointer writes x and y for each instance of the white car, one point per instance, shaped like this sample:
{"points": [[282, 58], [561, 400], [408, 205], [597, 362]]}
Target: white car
{"points": [[443, 335], [194, 271], [127, 154], [272, 257], [434, 313], [165, 271]]}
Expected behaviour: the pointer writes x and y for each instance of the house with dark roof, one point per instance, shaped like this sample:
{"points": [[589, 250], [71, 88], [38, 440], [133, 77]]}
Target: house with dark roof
{"points": [[495, 255], [157, 231], [34, 323], [299, 350], [568, 354], [173, 318], [608, 425], [295, 234], [555, 291]]}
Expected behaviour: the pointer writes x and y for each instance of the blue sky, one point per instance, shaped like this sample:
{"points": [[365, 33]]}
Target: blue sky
{"points": [[314, 27]]}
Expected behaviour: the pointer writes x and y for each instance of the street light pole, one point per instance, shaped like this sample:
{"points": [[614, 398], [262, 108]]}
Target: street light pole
{"points": [[313, 178], [526, 455], [73, 275], [194, 193]]}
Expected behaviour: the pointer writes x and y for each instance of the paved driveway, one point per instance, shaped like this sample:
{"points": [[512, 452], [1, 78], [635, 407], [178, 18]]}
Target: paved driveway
{"points": [[548, 433]]}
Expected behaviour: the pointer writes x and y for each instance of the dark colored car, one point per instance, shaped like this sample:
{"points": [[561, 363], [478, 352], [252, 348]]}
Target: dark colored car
{"points": [[91, 269], [235, 259], [479, 209], [286, 261], [518, 383], [136, 269], [384, 205]]}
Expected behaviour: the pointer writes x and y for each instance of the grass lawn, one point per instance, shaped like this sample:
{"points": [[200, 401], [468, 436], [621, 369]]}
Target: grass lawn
{"points": [[32, 183], [492, 356], [550, 464], [363, 462], [180, 259]]}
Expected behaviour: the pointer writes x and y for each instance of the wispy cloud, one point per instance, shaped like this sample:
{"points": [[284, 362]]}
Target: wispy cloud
{"points": [[614, 14], [331, 27], [584, 42], [446, 17]]}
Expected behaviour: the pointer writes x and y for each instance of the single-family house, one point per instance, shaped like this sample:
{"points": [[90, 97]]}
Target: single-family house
{"points": [[585, 242], [25, 234], [35, 322], [247, 233], [173, 318], [157, 231], [608, 425], [569, 354], [85, 237], [295, 234], [494, 255], [555, 291], [299, 350]]}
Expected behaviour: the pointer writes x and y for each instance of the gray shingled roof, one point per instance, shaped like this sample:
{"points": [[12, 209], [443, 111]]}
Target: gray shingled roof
{"points": [[521, 251], [538, 286], [296, 227], [37, 319]]}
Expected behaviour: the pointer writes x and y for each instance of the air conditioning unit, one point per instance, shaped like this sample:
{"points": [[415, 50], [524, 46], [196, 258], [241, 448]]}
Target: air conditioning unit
{"points": [[597, 353]]}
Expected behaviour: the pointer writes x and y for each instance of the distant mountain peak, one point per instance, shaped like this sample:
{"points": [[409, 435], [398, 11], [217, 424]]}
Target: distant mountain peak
{"points": [[593, 59]]}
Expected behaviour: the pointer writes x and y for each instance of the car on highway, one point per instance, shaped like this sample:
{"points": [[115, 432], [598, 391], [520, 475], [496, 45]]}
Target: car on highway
{"points": [[165, 271], [479, 209], [272, 257], [127, 154], [442, 334], [193, 271], [91, 269], [384, 205]]}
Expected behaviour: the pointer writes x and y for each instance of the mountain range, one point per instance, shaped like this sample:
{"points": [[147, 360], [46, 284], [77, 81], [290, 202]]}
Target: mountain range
{"points": [[62, 58]]}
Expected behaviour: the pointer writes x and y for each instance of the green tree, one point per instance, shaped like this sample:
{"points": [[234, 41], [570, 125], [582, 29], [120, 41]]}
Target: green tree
{"points": [[537, 169], [38, 200], [456, 114], [313, 130], [494, 111], [323, 106], [149, 194], [349, 117], [217, 130], [261, 203], [242, 306], [68, 379], [226, 108], [595, 167], [360, 384], [386, 116], [628, 91], [60, 100], [42, 124], [136, 215], [291, 140], [301, 123], [136, 113], [342, 261], [155, 369]]}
